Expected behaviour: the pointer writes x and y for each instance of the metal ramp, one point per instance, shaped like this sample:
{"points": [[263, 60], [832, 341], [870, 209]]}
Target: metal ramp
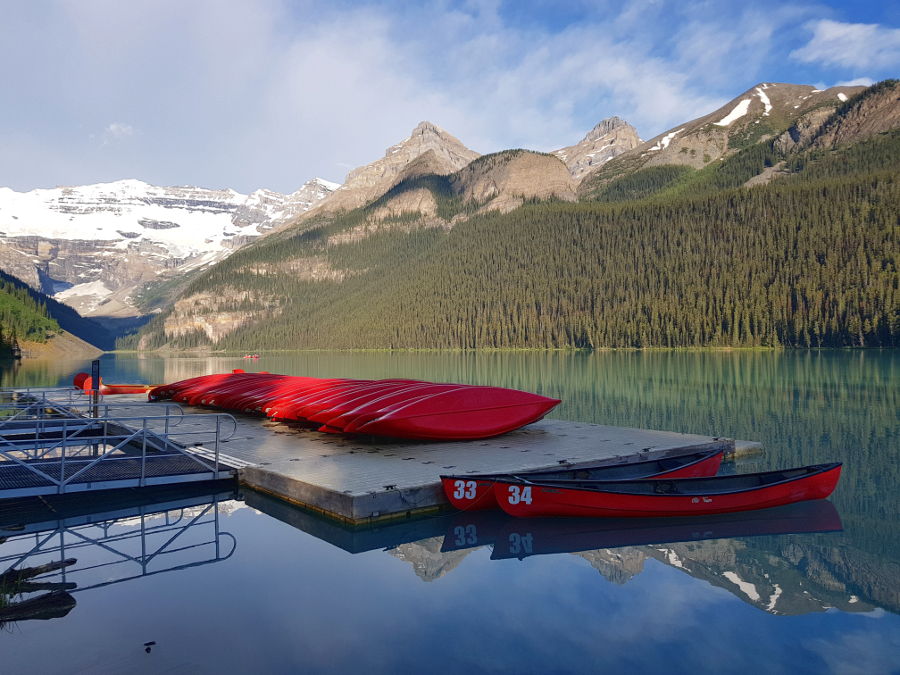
{"points": [[53, 442]]}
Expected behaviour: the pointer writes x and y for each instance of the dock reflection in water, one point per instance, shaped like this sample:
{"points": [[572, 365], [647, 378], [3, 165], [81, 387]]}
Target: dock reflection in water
{"points": [[55, 547]]}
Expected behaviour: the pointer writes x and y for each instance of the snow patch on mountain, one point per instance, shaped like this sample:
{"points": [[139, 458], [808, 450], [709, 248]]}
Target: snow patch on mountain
{"points": [[88, 296], [665, 140], [739, 111], [112, 238], [765, 100]]}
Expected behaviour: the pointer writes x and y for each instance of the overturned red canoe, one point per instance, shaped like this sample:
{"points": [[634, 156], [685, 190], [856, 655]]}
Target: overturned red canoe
{"points": [[475, 493], [462, 414], [361, 416], [347, 408], [670, 497]]}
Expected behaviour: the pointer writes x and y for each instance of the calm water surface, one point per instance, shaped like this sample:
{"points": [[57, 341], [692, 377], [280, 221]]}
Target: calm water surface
{"points": [[222, 582]]}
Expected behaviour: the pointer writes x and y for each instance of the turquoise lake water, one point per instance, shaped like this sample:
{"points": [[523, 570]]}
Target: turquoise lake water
{"points": [[227, 582]]}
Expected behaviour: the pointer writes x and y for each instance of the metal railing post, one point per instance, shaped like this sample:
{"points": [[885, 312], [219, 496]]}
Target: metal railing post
{"points": [[218, 425], [62, 461], [144, 455]]}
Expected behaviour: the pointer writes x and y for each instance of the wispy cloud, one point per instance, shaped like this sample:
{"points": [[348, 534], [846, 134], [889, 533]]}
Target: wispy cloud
{"points": [[852, 45], [271, 93], [855, 82], [116, 131]]}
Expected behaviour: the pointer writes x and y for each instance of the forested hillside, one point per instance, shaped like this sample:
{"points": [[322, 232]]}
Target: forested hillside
{"points": [[27, 315], [22, 318], [665, 256]]}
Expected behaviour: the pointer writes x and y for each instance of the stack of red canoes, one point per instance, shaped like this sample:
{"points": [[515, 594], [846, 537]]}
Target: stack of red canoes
{"points": [[397, 408]]}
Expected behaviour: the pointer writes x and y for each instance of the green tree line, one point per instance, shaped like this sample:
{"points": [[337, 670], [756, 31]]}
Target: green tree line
{"points": [[22, 317], [667, 258]]}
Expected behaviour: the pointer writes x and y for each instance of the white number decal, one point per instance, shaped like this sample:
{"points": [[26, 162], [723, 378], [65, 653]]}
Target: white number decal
{"points": [[464, 489], [521, 543], [517, 494], [459, 489]]}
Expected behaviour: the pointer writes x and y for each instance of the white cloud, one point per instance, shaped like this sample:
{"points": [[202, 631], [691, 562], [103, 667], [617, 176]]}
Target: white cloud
{"points": [[855, 82], [860, 652], [271, 93], [116, 131], [852, 45]]}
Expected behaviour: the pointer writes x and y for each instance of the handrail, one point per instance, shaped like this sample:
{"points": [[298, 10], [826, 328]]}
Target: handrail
{"points": [[118, 438]]}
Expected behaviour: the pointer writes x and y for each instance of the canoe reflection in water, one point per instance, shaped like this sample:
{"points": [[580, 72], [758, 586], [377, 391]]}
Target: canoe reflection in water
{"points": [[517, 538]]}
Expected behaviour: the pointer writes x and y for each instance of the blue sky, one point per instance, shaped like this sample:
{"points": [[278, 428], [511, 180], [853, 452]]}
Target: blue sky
{"points": [[270, 93]]}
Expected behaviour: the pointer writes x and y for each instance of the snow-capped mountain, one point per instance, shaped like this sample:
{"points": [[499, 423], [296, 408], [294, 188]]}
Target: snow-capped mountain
{"points": [[93, 246]]}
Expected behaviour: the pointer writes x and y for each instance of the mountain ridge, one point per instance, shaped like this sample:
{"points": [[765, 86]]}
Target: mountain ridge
{"points": [[94, 246], [550, 273], [760, 113]]}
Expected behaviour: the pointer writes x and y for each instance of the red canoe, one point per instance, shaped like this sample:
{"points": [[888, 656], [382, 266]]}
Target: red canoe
{"points": [[353, 420], [475, 493], [462, 414], [672, 497], [374, 392], [85, 382]]}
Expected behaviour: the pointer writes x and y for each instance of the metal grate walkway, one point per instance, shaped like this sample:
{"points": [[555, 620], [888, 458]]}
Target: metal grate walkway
{"points": [[52, 446]]}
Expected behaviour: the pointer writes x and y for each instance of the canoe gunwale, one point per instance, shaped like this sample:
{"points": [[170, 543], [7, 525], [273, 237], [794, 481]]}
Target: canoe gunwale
{"points": [[700, 457]]}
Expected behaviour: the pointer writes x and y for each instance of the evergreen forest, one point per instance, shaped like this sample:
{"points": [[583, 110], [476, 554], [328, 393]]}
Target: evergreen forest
{"points": [[664, 257], [23, 318]]}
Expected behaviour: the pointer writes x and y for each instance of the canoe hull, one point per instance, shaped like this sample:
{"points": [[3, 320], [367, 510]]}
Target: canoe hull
{"points": [[529, 500], [466, 413]]}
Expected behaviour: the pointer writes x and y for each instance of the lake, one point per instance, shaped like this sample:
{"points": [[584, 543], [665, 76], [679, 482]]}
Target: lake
{"points": [[211, 581]]}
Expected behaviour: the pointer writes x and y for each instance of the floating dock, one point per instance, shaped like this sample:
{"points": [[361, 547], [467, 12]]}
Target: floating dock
{"points": [[364, 480]]}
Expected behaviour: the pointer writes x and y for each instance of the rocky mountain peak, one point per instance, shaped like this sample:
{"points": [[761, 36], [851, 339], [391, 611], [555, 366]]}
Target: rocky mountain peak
{"points": [[603, 128], [427, 136], [445, 155], [426, 127], [610, 138]]}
